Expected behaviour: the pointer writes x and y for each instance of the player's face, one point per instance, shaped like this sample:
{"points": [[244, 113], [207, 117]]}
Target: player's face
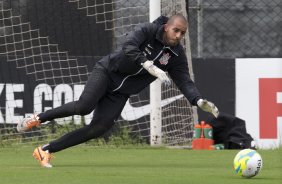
{"points": [[174, 31]]}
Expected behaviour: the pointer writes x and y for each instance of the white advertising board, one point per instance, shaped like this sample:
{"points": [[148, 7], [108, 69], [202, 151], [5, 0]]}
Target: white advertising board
{"points": [[259, 99]]}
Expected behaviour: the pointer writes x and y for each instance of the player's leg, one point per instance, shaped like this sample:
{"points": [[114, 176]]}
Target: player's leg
{"points": [[106, 112], [94, 90]]}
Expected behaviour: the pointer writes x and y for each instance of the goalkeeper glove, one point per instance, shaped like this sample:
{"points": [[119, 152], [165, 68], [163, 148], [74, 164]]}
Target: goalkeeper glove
{"points": [[208, 107], [155, 71]]}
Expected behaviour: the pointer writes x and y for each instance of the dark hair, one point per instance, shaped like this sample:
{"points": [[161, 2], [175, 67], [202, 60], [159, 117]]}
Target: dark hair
{"points": [[178, 15]]}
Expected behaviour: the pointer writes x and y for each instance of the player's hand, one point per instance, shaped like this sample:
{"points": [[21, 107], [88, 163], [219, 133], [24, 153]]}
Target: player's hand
{"points": [[155, 71], [208, 107]]}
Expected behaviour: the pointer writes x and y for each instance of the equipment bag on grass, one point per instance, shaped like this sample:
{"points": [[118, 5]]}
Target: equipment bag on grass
{"points": [[230, 131]]}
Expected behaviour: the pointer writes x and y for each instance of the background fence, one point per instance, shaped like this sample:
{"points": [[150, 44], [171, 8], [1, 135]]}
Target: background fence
{"points": [[235, 28]]}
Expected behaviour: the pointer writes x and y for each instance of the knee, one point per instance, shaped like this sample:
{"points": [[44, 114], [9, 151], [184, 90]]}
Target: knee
{"points": [[83, 108], [96, 130], [84, 111], [100, 126]]}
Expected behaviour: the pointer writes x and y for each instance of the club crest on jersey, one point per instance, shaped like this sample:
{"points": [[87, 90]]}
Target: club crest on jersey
{"points": [[164, 59]]}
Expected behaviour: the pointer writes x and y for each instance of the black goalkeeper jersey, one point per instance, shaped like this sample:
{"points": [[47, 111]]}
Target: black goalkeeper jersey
{"points": [[145, 43]]}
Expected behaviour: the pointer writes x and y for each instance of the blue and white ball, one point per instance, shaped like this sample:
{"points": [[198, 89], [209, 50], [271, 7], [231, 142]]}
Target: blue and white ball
{"points": [[247, 163]]}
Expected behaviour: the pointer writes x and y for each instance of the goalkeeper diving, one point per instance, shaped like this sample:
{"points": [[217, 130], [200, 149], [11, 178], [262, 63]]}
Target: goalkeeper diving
{"points": [[147, 53]]}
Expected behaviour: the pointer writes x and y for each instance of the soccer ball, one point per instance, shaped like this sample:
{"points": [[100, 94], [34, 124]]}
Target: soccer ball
{"points": [[247, 163]]}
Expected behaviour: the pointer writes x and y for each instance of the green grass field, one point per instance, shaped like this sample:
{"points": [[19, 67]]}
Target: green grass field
{"points": [[87, 164]]}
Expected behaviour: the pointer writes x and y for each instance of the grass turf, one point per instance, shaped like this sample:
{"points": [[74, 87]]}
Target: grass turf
{"points": [[86, 164]]}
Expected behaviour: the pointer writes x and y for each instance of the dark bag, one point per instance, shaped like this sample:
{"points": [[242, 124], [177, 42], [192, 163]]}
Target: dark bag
{"points": [[230, 131]]}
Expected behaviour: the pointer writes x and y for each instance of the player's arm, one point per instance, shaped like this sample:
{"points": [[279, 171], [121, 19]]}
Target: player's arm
{"points": [[155, 71], [180, 75], [133, 42]]}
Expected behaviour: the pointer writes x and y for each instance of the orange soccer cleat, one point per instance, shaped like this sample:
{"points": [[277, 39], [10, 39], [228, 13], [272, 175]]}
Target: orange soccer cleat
{"points": [[27, 123], [43, 157]]}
